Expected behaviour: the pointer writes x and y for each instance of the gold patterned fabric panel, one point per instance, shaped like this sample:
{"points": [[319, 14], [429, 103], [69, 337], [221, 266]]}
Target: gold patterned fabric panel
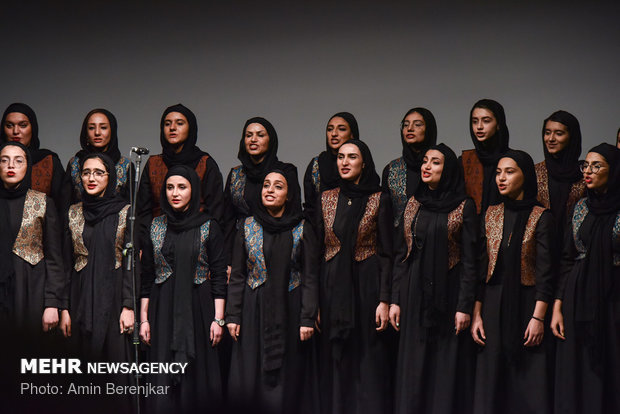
{"points": [[366, 244], [120, 236], [577, 191], [411, 210], [455, 225], [474, 177], [329, 203], [542, 178], [528, 248], [76, 225], [29, 241], [494, 226]]}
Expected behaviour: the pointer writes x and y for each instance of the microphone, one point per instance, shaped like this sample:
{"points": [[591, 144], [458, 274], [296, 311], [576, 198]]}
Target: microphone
{"points": [[140, 150]]}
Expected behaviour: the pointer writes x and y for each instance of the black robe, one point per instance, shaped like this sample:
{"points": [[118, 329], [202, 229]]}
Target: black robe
{"points": [[292, 387], [435, 367], [523, 384]]}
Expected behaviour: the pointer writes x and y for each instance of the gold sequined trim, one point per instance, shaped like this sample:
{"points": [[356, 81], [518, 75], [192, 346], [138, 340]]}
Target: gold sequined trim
{"points": [[411, 210], [29, 242]]}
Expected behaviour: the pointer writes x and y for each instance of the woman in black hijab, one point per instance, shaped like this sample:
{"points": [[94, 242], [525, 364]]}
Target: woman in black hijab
{"points": [[322, 172], [355, 228], [433, 291], [19, 124], [273, 302], [178, 138], [490, 136], [401, 177], [516, 285], [98, 135], [258, 153], [586, 315], [31, 275], [183, 296]]}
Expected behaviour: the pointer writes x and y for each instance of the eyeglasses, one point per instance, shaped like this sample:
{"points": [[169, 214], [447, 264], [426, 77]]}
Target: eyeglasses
{"points": [[18, 162], [594, 167], [97, 173], [416, 124]]}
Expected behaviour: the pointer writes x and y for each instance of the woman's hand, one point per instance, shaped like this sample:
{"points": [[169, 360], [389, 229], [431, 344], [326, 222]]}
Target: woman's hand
{"points": [[126, 321], [65, 323], [305, 333], [534, 332], [233, 330], [477, 327], [317, 323], [461, 321], [394, 316], [215, 334], [557, 320], [145, 332], [50, 319], [381, 316]]}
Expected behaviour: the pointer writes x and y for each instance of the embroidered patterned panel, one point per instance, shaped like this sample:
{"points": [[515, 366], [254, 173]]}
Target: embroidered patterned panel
{"points": [[542, 179], [474, 177], [329, 203], [120, 236], [122, 172], [366, 244], [455, 225], [157, 174], [616, 236], [74, 166], [411, 210], [76, 225], [295, 279], [42, 173], [579, 214], [29, 241], [528, 248], [237, 188], [397, 183], [316, 177], [494, 226], [162, 268], [577, 191]]}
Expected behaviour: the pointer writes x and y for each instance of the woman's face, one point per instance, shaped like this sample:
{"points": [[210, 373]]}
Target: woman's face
{"points": [[414, 128], [337, 133], [596, 181], [274, 193], [99, 131], [178, 192], [256, 141], [509, 178], [18, 128], [483, 123], [176, 129], [13, 166], [94, 177], [350, 163], [432, 167], [556, 137]]}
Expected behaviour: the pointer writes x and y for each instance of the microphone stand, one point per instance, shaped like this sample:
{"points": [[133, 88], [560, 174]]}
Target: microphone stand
{"points": [[129, 253]]}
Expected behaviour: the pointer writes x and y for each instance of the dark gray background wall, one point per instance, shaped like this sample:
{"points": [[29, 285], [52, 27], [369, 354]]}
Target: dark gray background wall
{"points": [[296, 63]]}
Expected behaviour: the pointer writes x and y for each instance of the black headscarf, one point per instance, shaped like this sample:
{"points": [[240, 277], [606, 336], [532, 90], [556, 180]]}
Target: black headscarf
{"points": [[451, 189], [181, 249], [369, 181], [96, 208], [564, 167], [414, 153], [327, 159], [595, 285], [111, 150], [491, 150], [36, 153], [511, 253], [190, 154], [98, 278], [292, 208], [7, 238], [256, 172]]}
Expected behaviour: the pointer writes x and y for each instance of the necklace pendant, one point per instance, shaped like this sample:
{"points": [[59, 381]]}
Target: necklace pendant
{"points": [[349, 202]]}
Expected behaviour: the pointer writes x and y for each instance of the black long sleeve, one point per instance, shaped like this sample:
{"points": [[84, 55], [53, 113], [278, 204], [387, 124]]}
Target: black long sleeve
{"points": [[310, 194], [238, 276], [385, 228], [544, 261], [230, 221], [400, 268], [217, 261], [55, 279], [469, 257], [311, 265], [58, 174], [567, 261], [144, 209]]}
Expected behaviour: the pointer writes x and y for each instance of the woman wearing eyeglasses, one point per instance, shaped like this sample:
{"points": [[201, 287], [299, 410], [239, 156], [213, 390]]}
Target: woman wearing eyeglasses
{"points": [[31, 275], [586, 312]]}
